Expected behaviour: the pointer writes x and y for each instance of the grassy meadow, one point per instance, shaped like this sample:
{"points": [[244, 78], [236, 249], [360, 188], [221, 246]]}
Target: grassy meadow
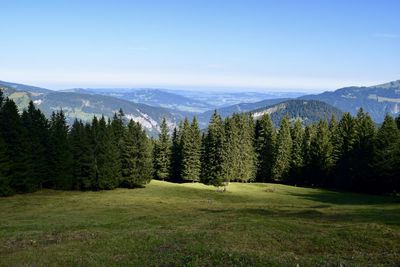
{"points": [[168, 224]]}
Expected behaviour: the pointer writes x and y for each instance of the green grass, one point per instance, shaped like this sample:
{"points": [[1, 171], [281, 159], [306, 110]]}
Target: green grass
{"points": [[192, 225]]}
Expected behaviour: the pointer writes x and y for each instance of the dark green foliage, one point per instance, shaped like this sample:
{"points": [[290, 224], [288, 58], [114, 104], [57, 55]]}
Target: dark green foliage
{"points": [[387, 156], [320, 155], [162, 153], [83, 156], [212, 171], [363, 151], [297, 161], [36, 139], [283, 152], [240, 158], [106, 156], [137, 161], [190, 145], [265, 138], [5, 167], [15, 138], [176, 155], [60, 161], [343, 153]]}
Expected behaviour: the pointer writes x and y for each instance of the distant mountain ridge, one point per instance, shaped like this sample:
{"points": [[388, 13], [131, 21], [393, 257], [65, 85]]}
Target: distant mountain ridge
{"points": [[307, 111], [377, 100], [150, 96]]}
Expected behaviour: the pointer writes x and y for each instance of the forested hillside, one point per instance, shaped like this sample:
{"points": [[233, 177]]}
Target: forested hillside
{"points": [[350, 154]]}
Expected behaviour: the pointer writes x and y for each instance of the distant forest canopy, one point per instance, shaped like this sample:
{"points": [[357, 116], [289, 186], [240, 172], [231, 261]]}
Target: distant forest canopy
{"points": [[348, 154]]}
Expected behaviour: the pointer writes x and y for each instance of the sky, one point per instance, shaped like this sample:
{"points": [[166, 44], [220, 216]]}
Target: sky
{"points": [[282, 45]]}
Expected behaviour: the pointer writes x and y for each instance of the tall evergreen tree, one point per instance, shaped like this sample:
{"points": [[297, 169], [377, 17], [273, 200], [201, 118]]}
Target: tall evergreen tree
{"points": [[213, 153], [84, 169], [307, 171], [281, 167], [118, 135], [15, 138], [297, 161], [343, 153], [106, 157], [240, 158], [363, 151], [386, 157], [137, 165], [320, 155], [60, 153], [191, 151], [176, 155], [162, 153], [5, 167], [36, 134], [265, 139]]}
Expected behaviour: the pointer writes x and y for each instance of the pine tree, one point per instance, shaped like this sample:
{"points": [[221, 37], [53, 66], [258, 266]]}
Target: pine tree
{"points": [[265, 138], [281, 166], [83, 156], [106, 157], [36, 134], [137, 165], [363, 151], [15, 139], [307, 172], [239, 163], [386, 157], [5, 167], [320, 155], [190, 140], [60, 153], [118, 135], [213, 154], [343, 153], [176, 156], [297, 161], [162, 153]]}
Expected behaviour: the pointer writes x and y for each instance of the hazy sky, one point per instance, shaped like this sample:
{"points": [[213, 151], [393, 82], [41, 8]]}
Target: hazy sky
{"points": [[278, 45]]}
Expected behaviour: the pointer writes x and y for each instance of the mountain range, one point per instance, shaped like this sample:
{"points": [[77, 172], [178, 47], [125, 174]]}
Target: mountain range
{"points": [[149, 106]]}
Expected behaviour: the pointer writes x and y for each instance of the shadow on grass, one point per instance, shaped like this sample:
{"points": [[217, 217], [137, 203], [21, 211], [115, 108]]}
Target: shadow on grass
{"points": [[344, 198], [376, 215]]}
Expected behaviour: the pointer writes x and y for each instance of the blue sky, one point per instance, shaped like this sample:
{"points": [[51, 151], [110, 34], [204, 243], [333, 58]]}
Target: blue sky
{"points": [[247, 44]]}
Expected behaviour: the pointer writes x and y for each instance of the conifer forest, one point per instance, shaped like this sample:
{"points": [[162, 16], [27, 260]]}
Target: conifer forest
{"points": [[351, 154]]}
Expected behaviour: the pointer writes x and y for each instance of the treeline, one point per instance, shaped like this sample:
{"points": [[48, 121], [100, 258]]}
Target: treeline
{"points": [[350, 154], [38, 153]]}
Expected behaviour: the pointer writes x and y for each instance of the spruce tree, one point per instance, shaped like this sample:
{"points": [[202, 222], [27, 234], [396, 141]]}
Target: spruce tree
{"points": [[37, 135], [265, 139], [320, 155], [363, 151], [5, 167], [307, 171], [213, 153], [240, 158], [297, 162], [162, 153], [60, 153], [176, 156], [343, 153], [190, 151], [386, 156], [136, 164], [106, 157], [15, 139], [281, 166], [83, 156]]}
